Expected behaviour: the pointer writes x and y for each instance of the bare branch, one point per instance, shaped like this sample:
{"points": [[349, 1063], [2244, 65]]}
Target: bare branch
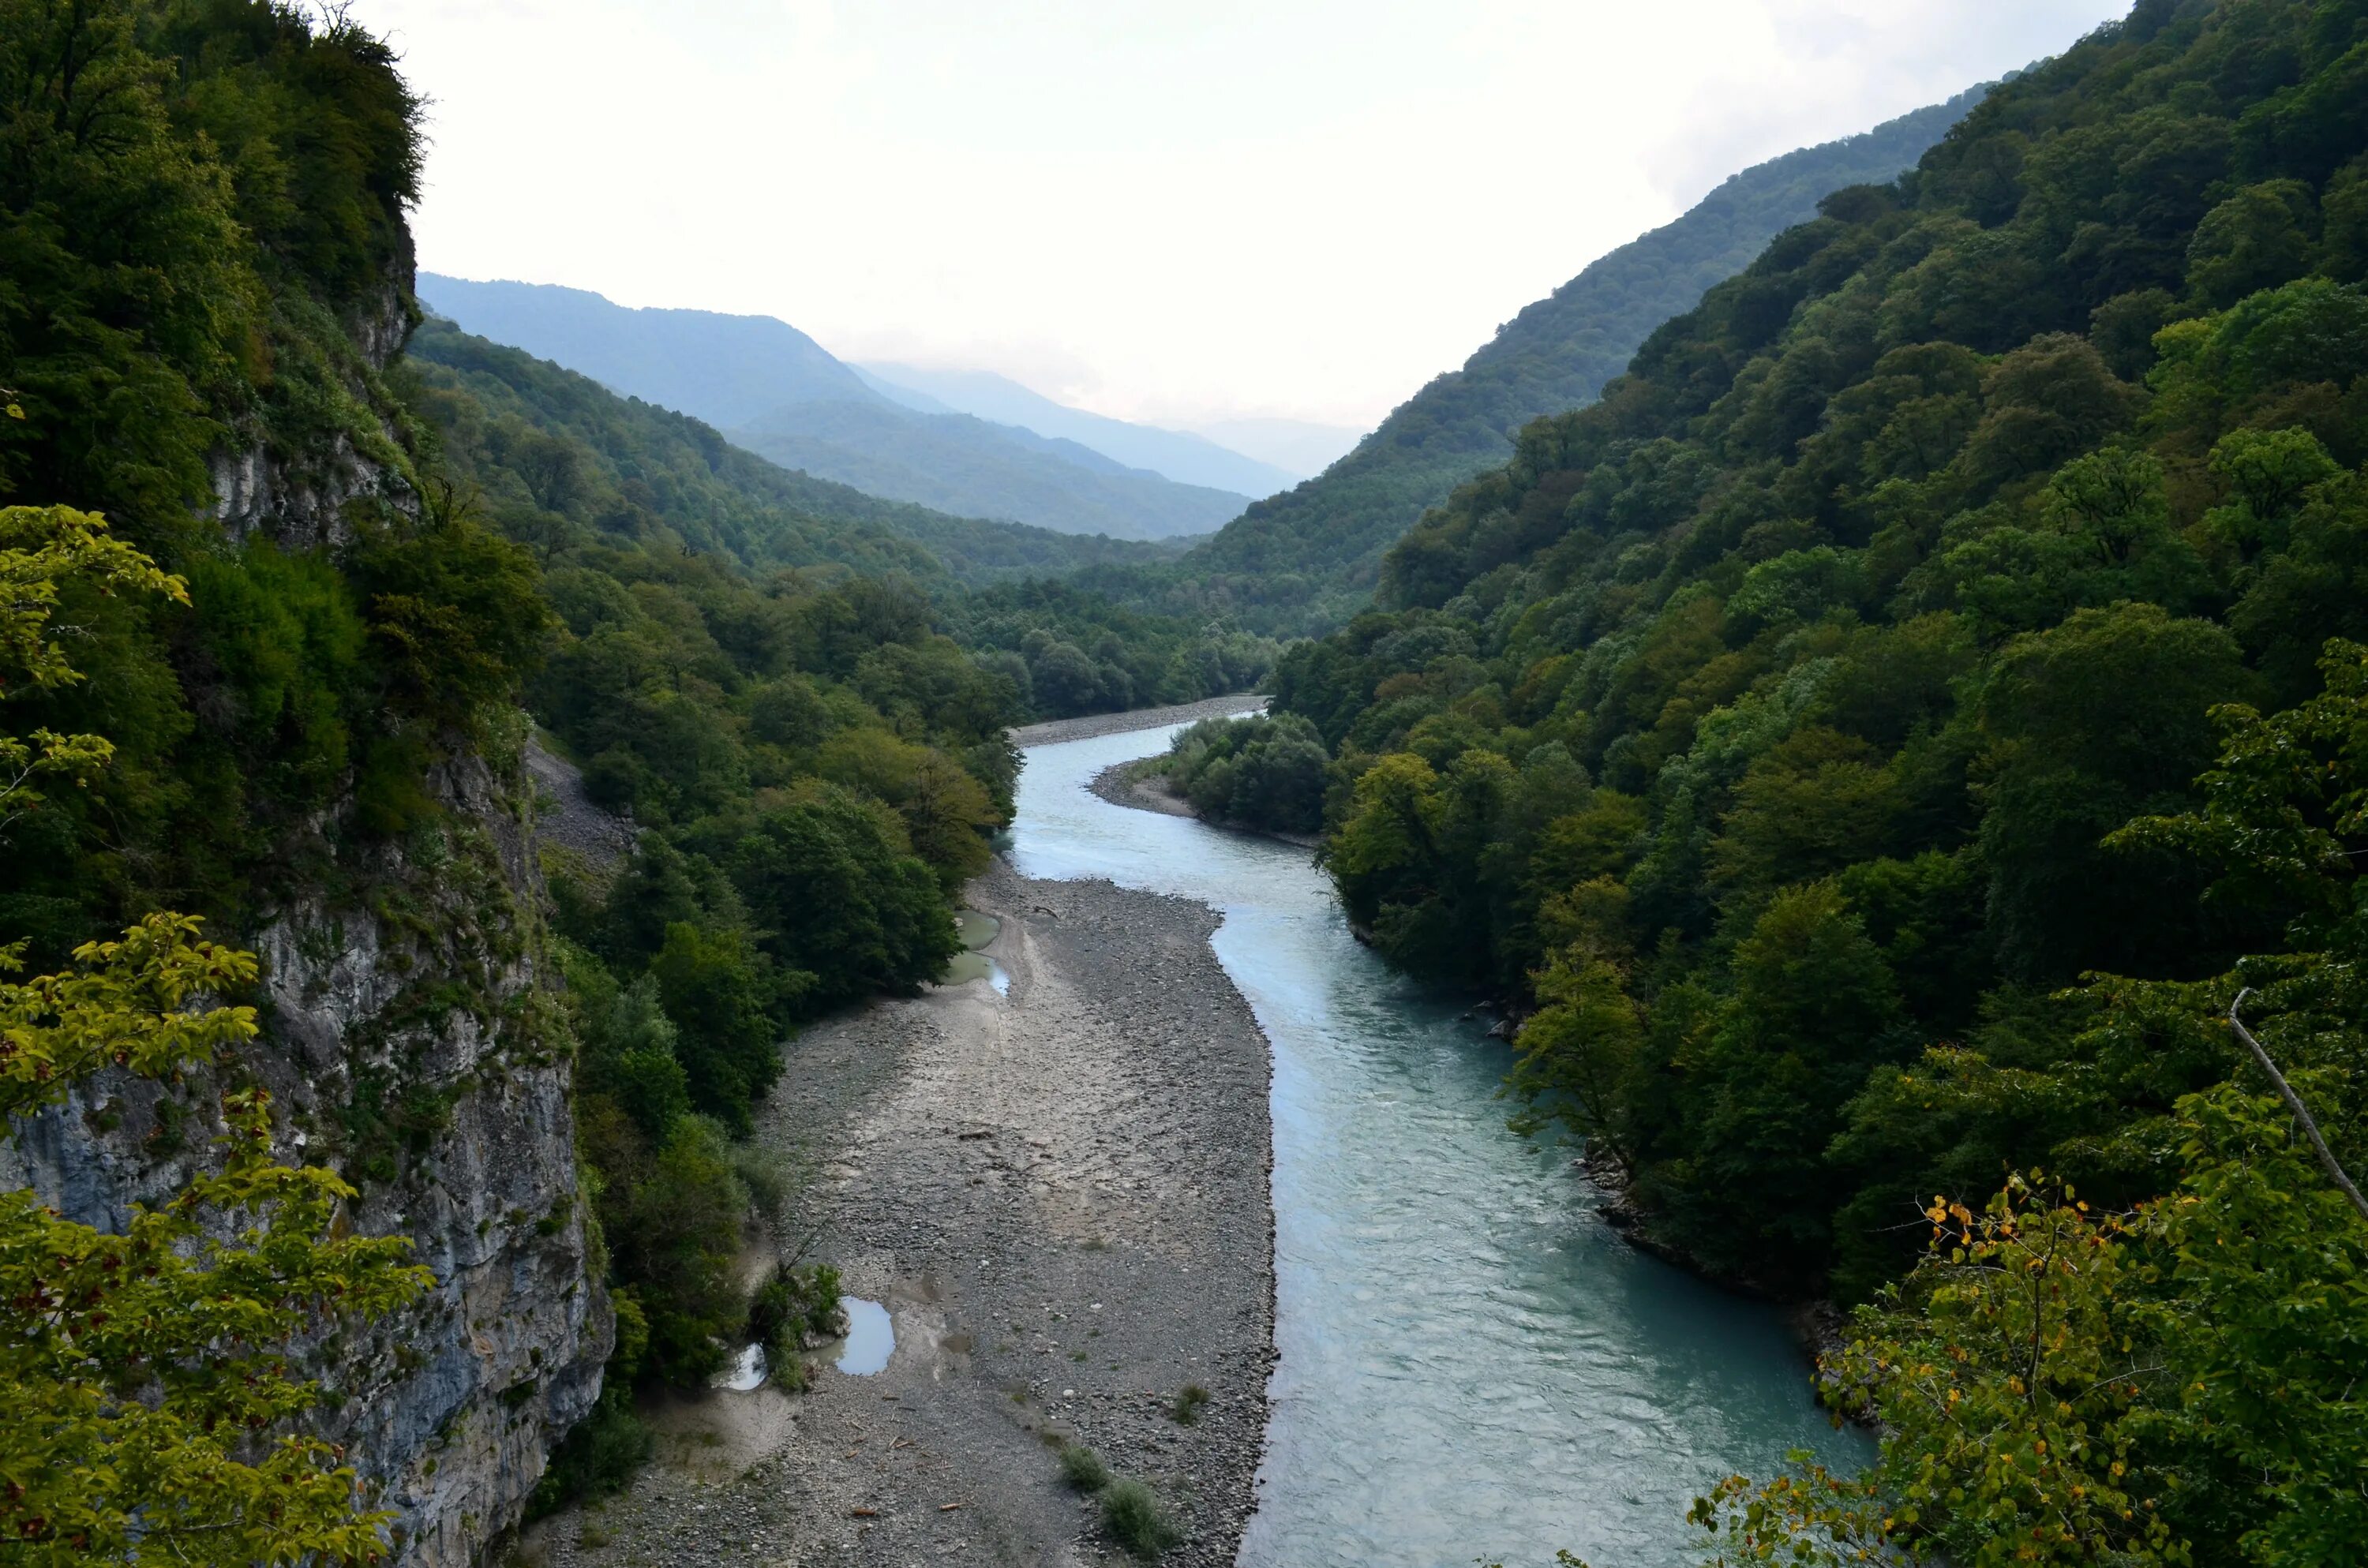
{"points": [[2294, 1103]]}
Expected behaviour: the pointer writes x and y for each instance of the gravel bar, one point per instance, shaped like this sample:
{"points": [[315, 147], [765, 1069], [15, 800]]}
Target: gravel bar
{"points": [[1057, 730], [1063, 1197]]}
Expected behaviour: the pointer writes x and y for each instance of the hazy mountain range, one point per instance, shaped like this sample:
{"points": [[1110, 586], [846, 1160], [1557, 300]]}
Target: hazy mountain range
{"points": [[775, 391], [978, 444], [1188, 459]]}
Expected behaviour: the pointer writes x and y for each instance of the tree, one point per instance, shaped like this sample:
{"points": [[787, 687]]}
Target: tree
{"points": [[154, 1415], [1576, 1048], [41, 548]]}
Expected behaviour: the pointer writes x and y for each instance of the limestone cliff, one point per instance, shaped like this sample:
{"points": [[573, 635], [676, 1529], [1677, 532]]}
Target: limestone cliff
{"points": [[410, 1044]]}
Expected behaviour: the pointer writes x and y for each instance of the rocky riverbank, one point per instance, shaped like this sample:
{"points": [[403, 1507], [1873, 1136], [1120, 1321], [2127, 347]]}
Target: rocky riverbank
{"points": [[1060, 1192], [1141, 786], [1052, 731]]}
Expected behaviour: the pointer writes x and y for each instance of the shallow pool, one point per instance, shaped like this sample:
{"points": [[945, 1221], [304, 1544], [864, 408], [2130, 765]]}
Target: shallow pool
{"points": [[871, 1337]]}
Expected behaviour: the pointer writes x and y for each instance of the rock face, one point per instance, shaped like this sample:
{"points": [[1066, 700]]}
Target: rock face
{"points": [[408, 1043]]}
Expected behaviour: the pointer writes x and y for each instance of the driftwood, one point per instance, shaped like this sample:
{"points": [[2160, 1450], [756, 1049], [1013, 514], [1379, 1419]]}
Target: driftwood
{"points": [[2294, 1103]]}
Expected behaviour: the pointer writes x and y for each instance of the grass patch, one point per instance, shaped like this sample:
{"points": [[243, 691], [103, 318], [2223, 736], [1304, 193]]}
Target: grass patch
{"points": [[1186, 1411], [1083, 1469], [1134, 1518]]}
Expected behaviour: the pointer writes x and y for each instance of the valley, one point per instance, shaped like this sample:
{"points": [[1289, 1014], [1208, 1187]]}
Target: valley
{"points": [[1345, 1008]]}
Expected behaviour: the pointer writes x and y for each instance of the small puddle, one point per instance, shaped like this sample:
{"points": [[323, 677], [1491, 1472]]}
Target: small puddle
{"points": [[971, 963], [977, 966], [869, 1337], [746, 1371]]}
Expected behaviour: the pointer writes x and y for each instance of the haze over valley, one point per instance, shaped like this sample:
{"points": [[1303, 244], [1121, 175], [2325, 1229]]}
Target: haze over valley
{"points": [[1295, 786]]}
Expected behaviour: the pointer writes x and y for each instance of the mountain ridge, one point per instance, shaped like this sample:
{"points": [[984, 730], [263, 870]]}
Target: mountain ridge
{"points": [[1307, 559], [811, 411], [1186, 457]]}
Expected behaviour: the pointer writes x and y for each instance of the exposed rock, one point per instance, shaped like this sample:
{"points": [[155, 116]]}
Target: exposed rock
{"points": [[408, 1044], [570, 818], [404, 1046]]}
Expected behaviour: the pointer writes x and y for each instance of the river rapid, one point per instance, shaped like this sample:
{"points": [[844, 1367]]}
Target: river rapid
{"points": [[1473, 1365]]}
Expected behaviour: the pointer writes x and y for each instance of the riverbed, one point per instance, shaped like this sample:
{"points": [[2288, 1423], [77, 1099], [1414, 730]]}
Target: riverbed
{"points": [[1471, 1363]]}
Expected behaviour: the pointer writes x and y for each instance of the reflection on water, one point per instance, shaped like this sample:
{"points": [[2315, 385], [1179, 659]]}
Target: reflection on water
{"points": [[871, 1337], [977, 931], [746, 1372], [1472, 1362], [965, 967]]}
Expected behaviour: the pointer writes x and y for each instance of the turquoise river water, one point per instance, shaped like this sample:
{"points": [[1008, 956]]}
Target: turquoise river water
{"points": [[1474, 1366]]}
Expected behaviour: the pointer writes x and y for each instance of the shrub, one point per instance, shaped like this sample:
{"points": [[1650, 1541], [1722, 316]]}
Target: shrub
{"points": [[1186, 1411], [1083, 1469], [1133, 1518], [787, 1308]]}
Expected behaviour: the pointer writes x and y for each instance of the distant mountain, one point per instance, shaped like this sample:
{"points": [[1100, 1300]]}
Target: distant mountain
{"points": [[723, 369], [956, 463], [1301, 447], [803, 408], [621, 466], [1308, 559], [1179, 454]]}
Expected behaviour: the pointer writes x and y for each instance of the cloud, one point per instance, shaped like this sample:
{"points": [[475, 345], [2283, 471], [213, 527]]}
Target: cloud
{"points": [[1306, 206]]}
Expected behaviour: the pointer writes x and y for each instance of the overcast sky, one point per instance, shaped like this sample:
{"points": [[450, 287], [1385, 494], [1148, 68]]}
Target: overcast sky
{"points": [[1172, 210]]}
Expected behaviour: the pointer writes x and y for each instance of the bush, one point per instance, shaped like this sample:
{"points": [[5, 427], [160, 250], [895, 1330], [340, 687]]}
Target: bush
{"points": [[1083, 1469], [1135, 1521], [790, 1307], [1186, 1411]]}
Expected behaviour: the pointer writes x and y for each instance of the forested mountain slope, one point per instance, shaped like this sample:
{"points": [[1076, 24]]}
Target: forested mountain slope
{"points": [[572, 448], [775, 391], [1176, 454], [279, 614], [956, 462], [307, 734], [1307, 560], [1882, 737], [559, 463]]}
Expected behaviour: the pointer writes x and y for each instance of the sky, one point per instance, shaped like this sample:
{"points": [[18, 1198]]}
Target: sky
{"points": [[1168, 210]]}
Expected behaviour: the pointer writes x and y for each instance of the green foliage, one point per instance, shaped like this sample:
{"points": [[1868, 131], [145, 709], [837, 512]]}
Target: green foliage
{"points": [[1257, 772], [155, 1418], [1072, 648], [598, 1456], [42, 550], [1306, 560], [672, 1211], [1083, 1469], [791, 1307], [1138, 1520]]}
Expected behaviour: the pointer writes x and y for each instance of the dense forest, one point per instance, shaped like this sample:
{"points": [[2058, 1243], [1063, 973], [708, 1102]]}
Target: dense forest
{"points": [[1876, 745], [271, 588], [1307, 560], [552, 451], [778, 393]]}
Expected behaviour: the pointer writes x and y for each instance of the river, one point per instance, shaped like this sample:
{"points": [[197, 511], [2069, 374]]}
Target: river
{"points": [[1473, 1365]]}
